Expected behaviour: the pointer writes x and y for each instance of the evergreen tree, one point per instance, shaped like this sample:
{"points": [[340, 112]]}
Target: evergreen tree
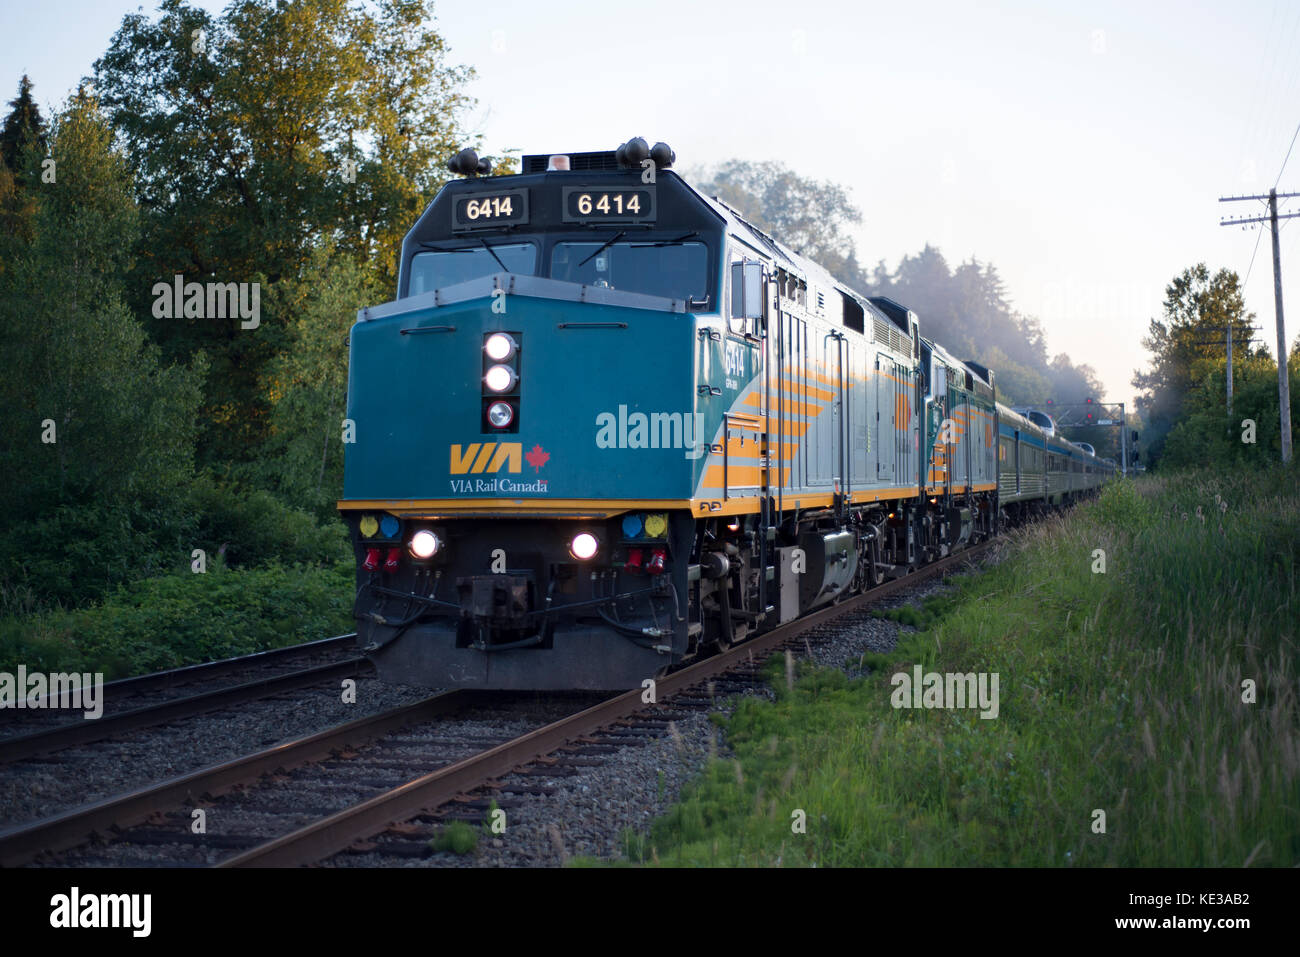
{"points": [[22, 126], [98, 431]]}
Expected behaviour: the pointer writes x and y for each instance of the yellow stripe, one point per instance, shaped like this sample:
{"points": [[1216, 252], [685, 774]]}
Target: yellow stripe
{"points": [[739, 475], [810, 390], [743, 420], [423, 506], [790, 406], [876, 494]]}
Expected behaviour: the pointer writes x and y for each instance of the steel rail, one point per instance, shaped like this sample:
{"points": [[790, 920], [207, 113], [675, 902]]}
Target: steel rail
{"points": [[156, 680], [86, 731], [339, 831], [19, 845]]}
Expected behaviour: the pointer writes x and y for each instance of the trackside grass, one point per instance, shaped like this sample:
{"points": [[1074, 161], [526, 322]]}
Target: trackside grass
{"points": [[1122, 693]]}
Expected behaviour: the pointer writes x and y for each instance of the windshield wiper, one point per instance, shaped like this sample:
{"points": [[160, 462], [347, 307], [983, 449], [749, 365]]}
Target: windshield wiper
{"points": [[621, 233], [492, 251], [665, 242]]}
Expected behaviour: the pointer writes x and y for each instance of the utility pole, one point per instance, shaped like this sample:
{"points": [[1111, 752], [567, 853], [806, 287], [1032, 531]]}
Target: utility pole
{"points": [[1283, 366], [1229, 370], [1283, 376], [1228, 340], [1123, 440]]}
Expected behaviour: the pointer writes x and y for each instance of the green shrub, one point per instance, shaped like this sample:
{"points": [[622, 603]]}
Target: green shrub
{"points": [[456, 837], [184, 618]]}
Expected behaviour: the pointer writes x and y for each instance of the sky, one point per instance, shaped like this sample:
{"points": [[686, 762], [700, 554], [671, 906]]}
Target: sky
{"points": [[1080, 148]]}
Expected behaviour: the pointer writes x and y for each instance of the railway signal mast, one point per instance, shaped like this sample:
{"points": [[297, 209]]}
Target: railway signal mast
{"points": [[1283, 383], [1089, 413]]}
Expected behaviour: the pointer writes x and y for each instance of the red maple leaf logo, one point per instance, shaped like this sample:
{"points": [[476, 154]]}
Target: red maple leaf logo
{"points": [[537, 458]]}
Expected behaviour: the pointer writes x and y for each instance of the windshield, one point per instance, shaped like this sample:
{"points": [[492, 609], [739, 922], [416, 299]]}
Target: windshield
{"points": [[668, 269], [435, 270]]}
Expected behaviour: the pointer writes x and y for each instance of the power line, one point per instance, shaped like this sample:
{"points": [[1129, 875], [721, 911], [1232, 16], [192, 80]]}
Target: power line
{"points": [[1288, 155], [1259, 234]]}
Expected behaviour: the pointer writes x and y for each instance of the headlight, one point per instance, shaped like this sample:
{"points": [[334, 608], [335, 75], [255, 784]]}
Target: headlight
{"points": [[501, 378], [500, 414], [499, 347], [425, 544], [584, 546]]}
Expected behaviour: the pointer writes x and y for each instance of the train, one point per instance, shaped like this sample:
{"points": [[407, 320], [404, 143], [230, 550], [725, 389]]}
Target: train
{"points": [[608, 426]]}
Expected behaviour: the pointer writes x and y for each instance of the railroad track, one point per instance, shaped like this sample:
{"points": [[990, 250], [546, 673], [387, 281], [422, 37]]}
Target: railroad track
{"points": [[20, 746], [377, 754], [339, 831]]}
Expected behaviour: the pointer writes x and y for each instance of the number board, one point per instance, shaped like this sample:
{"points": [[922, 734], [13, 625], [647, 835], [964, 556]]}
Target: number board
{"points": [[486, 210], [584, 204]]}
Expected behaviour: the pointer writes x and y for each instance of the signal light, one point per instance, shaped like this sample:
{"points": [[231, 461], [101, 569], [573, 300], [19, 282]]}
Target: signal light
{"points": [[584, 546], [501, 378], [656, 564], [372, 559], [500, 415], [633, 560], [500, 346], [501, 359]]}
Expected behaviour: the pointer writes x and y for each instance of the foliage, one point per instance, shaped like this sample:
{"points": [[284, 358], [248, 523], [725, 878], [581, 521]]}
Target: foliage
{"points": [[456, 837], [23, 127], [184, 618], [244, 130], [1123, 691], [1198, 309], [965, 309], [1205, 435], [811, 217], [254, 527], [88, 412], [307, 382]]}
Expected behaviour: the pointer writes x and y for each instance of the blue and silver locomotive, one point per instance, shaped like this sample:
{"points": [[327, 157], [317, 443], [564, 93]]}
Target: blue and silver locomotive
{"points": [[607, 425]]}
